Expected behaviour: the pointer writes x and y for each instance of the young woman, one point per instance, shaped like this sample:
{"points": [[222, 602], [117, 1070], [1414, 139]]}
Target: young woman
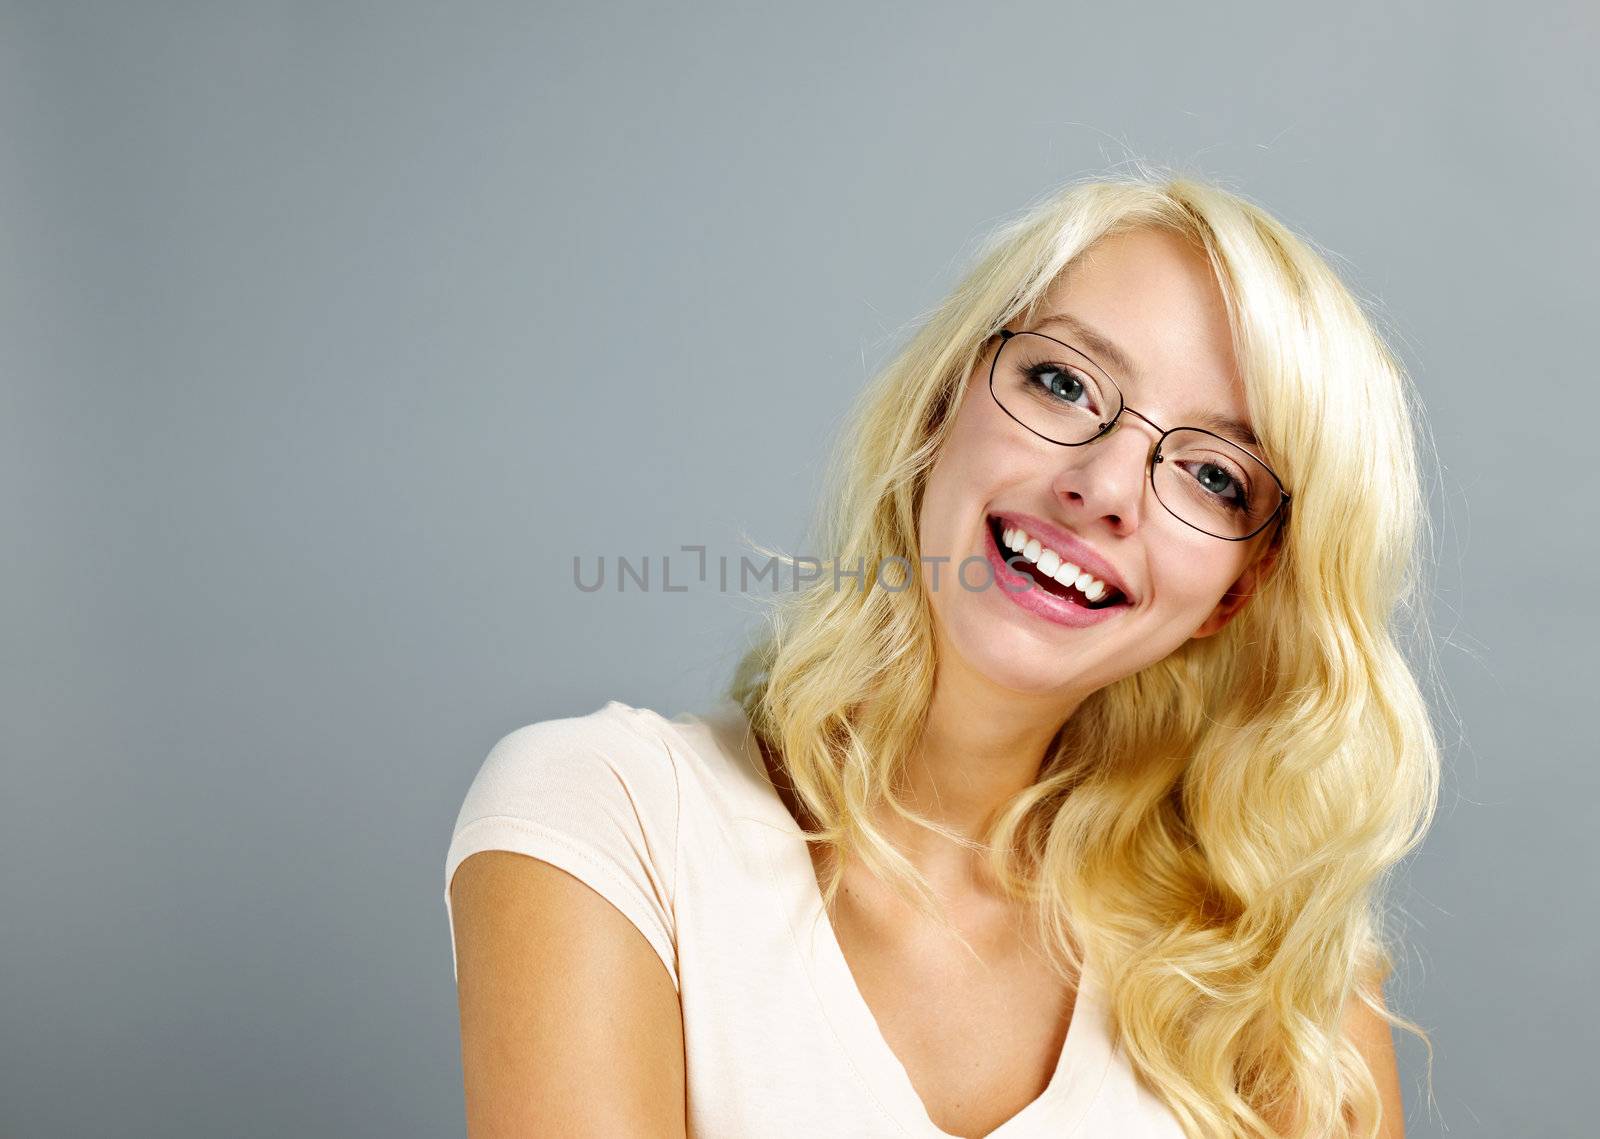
{"points": [[1062, 802]]}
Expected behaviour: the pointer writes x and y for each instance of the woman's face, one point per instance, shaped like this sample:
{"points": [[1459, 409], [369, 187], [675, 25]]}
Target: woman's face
{"points": [[1154, 298]]}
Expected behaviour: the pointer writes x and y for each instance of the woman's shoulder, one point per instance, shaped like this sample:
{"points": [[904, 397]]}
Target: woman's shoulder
{"points": [[716, 752], [613, 720], [617, 746], [594, 794], [713, 755]]}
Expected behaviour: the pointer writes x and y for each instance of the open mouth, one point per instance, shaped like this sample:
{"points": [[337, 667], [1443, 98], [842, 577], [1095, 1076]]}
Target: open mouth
{"points": [[1049, 573]]}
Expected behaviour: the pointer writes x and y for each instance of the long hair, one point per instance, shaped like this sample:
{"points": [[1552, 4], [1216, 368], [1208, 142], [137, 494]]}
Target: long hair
{"points": [[1218, 830]]}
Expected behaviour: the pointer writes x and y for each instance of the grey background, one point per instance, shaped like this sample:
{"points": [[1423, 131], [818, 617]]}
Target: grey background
{"points": [[332, 331]]}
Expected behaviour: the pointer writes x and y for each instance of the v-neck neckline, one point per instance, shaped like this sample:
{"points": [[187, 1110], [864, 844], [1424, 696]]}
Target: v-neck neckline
{"points": [[1080, 1068]]}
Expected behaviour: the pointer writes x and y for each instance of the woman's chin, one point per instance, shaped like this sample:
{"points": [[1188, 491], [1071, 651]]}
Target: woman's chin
{"points": [[1002, 667]]}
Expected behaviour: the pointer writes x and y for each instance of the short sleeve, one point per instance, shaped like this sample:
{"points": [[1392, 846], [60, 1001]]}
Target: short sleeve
{"points": [[595, 795]]}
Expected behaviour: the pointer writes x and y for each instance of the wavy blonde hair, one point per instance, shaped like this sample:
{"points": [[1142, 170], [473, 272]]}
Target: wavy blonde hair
{"points": [[1217, 831]]}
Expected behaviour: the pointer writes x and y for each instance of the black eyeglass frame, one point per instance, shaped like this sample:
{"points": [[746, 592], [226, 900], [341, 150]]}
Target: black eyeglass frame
{"points": [[1278, 512]]}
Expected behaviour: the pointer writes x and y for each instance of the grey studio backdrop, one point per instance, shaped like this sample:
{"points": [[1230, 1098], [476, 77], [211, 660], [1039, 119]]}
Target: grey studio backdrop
{"points": [[332, 332]]}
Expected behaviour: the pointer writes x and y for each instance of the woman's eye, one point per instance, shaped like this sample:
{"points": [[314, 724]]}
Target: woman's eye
{"points": [[1220, 481], [1062, 383]]}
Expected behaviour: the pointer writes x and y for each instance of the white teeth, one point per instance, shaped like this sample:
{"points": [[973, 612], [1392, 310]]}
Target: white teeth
{"points": [[1053, 565]]}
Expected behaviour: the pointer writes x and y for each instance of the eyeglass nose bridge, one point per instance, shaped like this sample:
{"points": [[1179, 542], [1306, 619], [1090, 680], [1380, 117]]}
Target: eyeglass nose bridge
{"points": [[1161, 436]]}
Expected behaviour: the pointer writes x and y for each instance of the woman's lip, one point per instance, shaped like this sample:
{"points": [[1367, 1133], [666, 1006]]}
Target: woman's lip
{"points": [[1036, 599], [1071, 548]]}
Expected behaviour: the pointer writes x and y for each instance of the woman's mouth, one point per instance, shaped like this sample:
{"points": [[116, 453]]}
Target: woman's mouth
{"points": [[1047, 571]]}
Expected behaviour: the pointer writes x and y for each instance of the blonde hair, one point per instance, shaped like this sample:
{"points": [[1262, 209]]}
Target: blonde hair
{"points": [[1217, 830]]}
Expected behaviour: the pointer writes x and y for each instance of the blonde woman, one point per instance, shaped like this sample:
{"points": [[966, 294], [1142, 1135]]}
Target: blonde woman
{"points": [[1061, 803]]}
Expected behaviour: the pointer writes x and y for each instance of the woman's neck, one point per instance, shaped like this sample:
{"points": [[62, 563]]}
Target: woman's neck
{"points": [[979, 746]]}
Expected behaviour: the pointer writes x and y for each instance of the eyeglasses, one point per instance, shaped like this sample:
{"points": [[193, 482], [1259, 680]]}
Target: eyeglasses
{"points": [[1064, 397]]}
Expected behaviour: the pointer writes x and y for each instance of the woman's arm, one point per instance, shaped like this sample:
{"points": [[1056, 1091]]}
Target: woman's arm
{"points": [[570, 1024], [1371, 1035]]}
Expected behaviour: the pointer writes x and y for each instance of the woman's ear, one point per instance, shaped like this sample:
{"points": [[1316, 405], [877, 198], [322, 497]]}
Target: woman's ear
{"points": [[1243, 588]]}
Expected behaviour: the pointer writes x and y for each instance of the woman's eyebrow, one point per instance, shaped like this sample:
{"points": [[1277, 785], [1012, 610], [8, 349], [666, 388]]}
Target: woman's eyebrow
{"points": [[1098, 345], [1103, 349], [1236, 429]]}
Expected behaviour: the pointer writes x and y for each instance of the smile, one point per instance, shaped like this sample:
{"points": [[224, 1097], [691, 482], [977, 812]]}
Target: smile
{"points": [[1051, 569], [1060, 591]]}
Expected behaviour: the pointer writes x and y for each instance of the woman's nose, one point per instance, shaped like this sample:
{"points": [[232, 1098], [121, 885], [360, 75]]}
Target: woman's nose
{"points": [[1107, 478]]}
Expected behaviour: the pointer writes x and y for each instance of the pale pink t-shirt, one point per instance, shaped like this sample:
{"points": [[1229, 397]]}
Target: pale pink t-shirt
{"points": [[676, 823]]}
